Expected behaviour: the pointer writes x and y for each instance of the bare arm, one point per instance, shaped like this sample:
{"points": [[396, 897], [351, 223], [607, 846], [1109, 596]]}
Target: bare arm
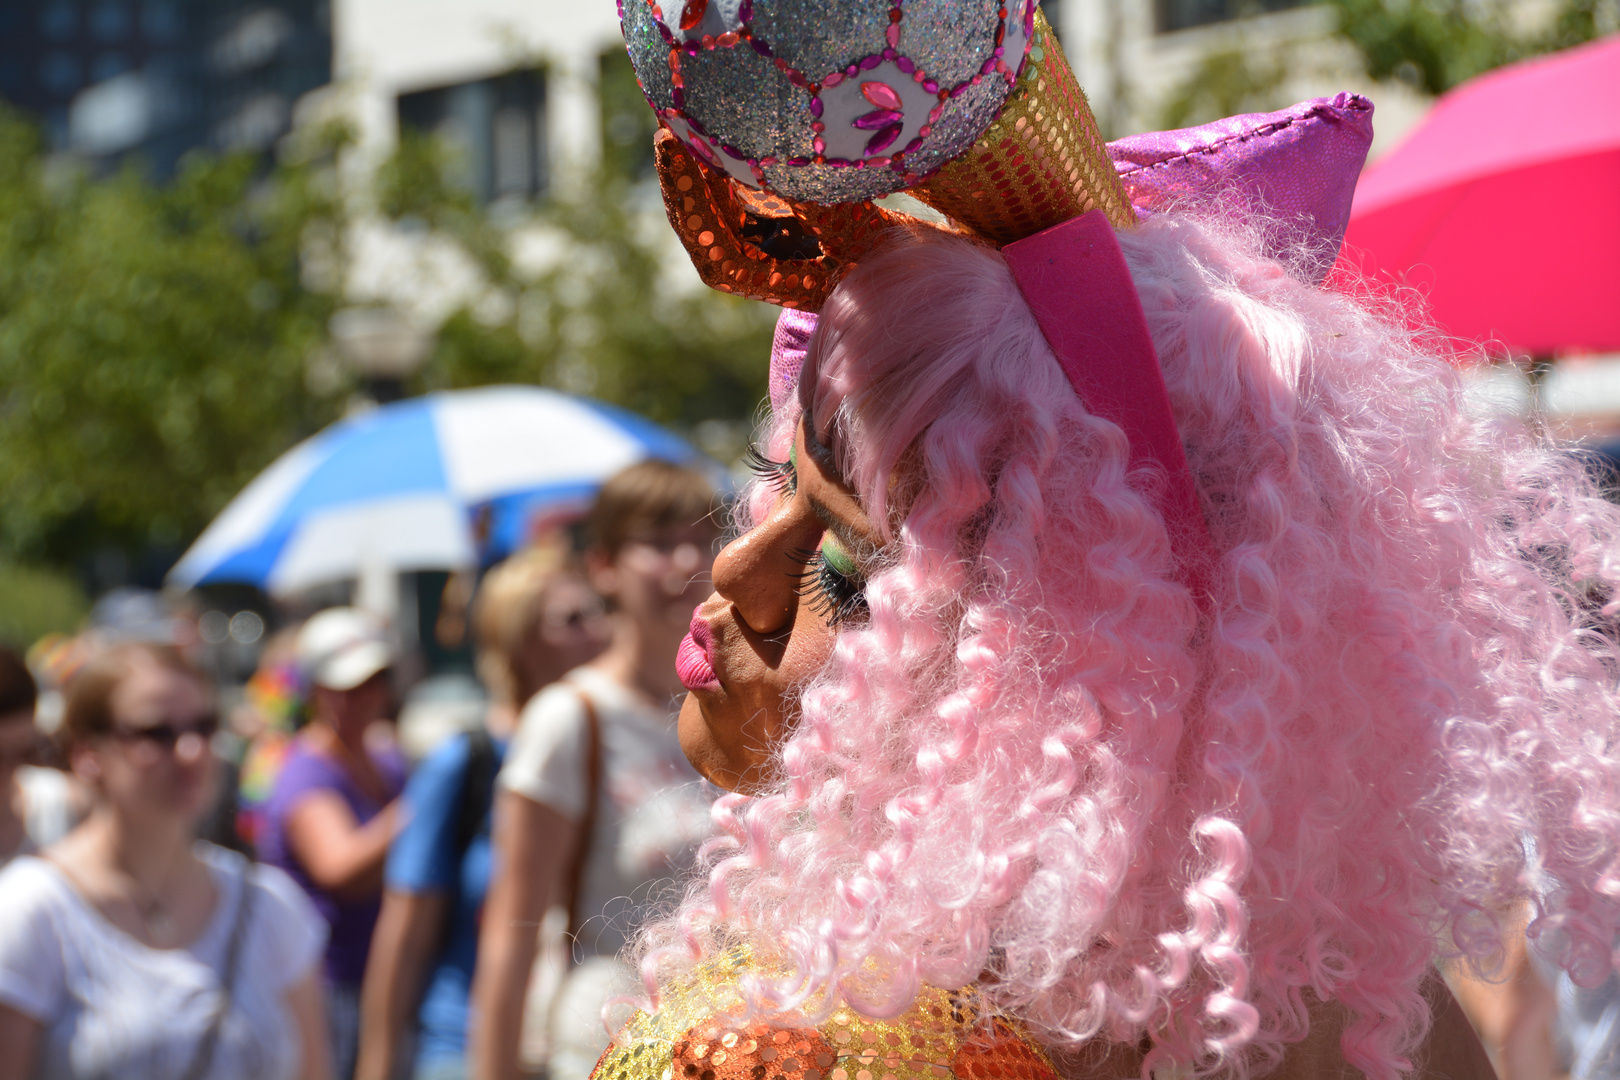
{"points": [[340, 855], [304, 1002], [533, 844], [1514, 1017], [1451, 1051], [19, 1034], [409, 932]]}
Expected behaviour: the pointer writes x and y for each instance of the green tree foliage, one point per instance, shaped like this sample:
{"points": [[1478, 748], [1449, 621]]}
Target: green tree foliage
{"points": [[627, 123], [1430, 44], [152, 344], [159, 346], [35, 601], [1436, 44], [1225, 83], [614, 313]]}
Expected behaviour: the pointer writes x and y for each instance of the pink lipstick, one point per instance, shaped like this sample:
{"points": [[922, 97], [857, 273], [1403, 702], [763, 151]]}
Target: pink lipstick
{"points": [[692, 663]]}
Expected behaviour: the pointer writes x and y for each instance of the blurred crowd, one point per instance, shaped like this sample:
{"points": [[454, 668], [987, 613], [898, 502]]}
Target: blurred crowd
{"points": [[327, 885], [321, 884]]}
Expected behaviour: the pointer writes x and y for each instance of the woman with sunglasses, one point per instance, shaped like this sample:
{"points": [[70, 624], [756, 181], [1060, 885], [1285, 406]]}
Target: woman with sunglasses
{"points": [[129, 949], [595, 808]]}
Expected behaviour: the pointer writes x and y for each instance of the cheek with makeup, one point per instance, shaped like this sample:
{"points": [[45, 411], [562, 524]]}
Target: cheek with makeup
{"points": [[782, 590]]}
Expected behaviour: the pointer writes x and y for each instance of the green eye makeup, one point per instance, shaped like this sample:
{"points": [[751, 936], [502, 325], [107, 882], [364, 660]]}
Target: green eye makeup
{"points": [[839, 560], [830, 575], [833, 581]]}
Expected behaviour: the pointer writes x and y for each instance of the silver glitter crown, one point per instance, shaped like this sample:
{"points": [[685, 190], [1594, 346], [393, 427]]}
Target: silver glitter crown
{"points": [[828, 101]]}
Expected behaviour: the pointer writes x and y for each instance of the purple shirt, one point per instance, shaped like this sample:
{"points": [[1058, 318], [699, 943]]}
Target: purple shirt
{"points": [[306, 771]]}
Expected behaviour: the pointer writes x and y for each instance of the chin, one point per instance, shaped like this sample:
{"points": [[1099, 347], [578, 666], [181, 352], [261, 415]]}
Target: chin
{"points": [[697, 743], [191, 801]]}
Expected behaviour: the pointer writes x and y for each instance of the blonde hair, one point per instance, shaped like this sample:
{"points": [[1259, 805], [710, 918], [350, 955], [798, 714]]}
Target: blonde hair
{"points": [[506, 612]]}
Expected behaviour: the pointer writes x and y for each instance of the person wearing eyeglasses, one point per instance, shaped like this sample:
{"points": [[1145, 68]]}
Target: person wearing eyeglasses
{"points": [[596, 809], [333, 809], [129, 948]]}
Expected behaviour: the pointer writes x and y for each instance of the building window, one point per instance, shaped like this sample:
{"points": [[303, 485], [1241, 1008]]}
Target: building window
{"points": [[496, 127], [217, 74], [59, 21], [160, 22], [1181, 14], [109, 22]]}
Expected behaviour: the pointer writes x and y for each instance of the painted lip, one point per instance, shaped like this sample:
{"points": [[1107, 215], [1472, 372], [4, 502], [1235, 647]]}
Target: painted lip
{"points": [[692, 661]]}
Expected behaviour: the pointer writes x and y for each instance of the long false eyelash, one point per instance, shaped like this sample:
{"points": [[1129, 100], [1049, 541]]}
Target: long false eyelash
{"points": [[778, 474], [836, 596]]}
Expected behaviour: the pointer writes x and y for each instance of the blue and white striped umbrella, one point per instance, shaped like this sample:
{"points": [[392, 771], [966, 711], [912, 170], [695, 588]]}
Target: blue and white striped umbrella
{"points": [[403, 486]]}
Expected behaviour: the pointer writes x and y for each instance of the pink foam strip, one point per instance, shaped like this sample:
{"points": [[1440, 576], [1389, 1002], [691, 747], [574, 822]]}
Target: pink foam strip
{"points": [[1074, 278]]}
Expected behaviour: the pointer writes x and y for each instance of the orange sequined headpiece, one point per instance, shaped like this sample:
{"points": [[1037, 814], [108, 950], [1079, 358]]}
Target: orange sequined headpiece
{"points": [[1042, 161]]}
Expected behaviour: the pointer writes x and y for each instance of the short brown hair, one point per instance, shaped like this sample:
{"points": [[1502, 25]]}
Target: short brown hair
{"points": [[88, 710], [638, 502], [18, 692]]}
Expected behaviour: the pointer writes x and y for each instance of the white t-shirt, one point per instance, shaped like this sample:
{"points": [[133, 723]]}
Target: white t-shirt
{"points": [[652, 809], [48, 810], [112, 1006], [48, 795]]}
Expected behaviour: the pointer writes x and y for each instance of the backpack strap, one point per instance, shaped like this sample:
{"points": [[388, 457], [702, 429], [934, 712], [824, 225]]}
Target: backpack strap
{"points": [[477, 788], [587, 822]]}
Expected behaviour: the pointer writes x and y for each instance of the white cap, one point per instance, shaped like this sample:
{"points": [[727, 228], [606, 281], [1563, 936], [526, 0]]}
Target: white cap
{"points": [[340, 648]]}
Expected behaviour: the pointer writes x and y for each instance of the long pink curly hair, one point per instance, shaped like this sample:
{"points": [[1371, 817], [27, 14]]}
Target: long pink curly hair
{"points": [[1040, 767]]}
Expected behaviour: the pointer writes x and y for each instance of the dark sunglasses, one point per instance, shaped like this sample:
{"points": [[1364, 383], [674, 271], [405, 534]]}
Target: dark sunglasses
{"points": [[574, 617], [164, 736]]}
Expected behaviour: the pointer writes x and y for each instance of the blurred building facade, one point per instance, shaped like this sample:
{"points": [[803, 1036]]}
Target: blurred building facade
{"points": [[112, 79], [1148, 64], [538, 94], [532, 90], [533, 94]]}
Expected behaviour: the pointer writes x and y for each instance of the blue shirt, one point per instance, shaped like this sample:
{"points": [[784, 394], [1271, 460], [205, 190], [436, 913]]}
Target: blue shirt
{"points": [[424, 858]]}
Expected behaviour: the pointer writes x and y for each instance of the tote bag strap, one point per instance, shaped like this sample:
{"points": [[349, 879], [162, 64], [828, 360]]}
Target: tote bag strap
{"points": [[587, 822], [203, 1057]]}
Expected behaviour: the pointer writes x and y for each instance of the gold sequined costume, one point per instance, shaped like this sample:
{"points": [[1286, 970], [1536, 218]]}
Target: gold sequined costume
{"points": [[945, 1034]]}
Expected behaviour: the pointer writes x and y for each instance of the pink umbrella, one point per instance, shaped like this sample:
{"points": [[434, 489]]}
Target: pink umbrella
{"points": [[1503, 206]]}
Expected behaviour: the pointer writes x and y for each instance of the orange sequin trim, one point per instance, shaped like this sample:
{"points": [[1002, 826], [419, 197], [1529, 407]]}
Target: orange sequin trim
{"points": [[708, 210]]}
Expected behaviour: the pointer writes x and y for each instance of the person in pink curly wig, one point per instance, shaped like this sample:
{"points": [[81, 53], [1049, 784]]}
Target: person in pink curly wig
{"points": [[981, 729]]}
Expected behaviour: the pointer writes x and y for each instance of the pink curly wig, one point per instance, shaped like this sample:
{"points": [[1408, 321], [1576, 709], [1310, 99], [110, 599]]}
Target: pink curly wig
{"points": [[1039, 767]]}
